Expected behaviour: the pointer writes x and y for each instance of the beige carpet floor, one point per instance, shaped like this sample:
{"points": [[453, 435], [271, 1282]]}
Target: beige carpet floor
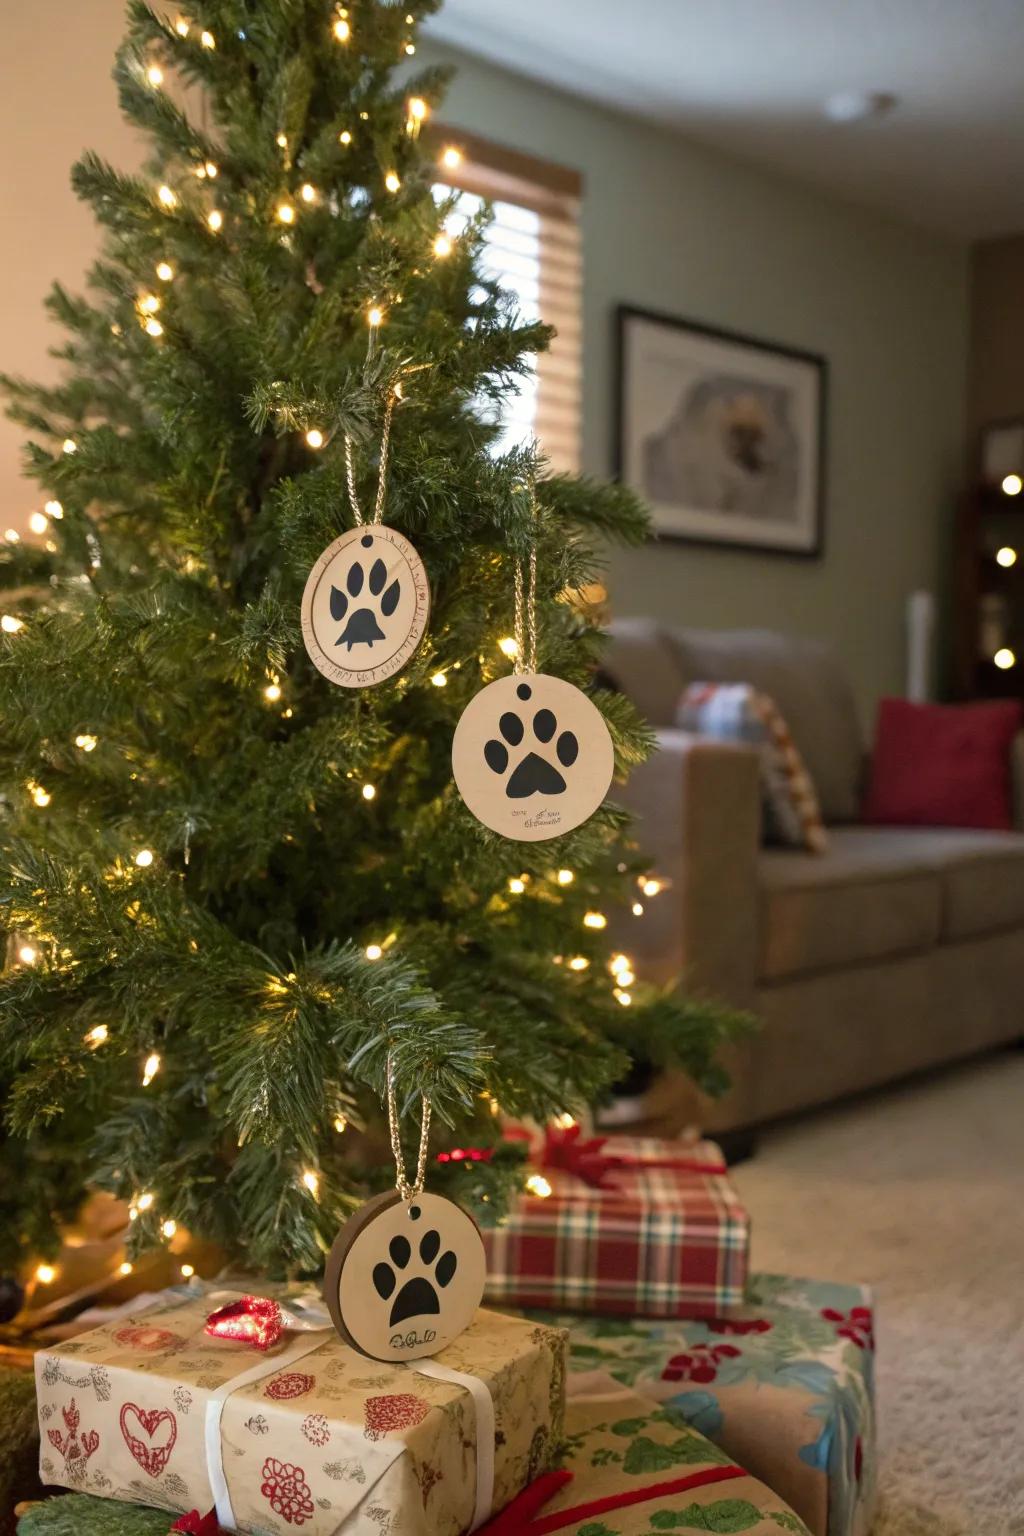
{"points": [[920, 1192]]}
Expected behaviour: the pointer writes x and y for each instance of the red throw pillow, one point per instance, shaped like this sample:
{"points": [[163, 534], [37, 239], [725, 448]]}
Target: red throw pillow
{"points": [[943, 765]]}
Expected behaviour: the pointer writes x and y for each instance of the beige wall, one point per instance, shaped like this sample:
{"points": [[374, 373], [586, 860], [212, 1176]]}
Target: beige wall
{"points": [[667, 225], [996, 388], [670, 226]]}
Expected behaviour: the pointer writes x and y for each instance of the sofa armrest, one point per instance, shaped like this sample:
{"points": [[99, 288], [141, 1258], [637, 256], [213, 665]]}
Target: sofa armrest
{"points": [[698, 818]]}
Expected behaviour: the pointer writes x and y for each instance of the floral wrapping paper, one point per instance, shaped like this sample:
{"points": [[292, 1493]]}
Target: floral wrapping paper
{"points": [[786, 1386], [664, 1235], [332, 1443]]}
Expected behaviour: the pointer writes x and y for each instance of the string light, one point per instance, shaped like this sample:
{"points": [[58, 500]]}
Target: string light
{"points": [[46, 1274], [285, 213], [54, 509], [144, 858], [12, 536], [565, 1121], [565, 877], [342, 30], [154, 328], [451, 157], [618, 963], [340, 1124], [311, 1179], [392, 182], [538, 1185], [210, 169], [369, 792], [623, 997], [517, 885], [125, 1268], [167, 196], [410, 49], [86, 742], [149, 303], [439, 680], [373, 951], [164, 271], [40, 796], [28, 954], [10, 625], [1012, 485], [69, 445], [315, 438], [168, 1227], [374, 316], [416, 116], [181, 26], [97, 1036], [39, 522], [1004, 658], [144, 1201], [578, 963], [508, 647], [207, 39], [1006, 556], [345, 138], [155, 75], [594, 920], [442, 246], [625, 977], [650, 886], [150, 1070], [272, 692], [638, 909], [187, 1271], [215, 220]]}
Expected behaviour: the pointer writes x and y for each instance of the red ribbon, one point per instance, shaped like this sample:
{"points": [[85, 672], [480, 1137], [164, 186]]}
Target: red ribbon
{"points": [[566, 1152], [254, 1320], [198, 1525], [517, 1518]]}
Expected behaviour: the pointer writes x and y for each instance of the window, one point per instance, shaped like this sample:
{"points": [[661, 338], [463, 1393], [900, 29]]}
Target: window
{"points": [[533, 249]]}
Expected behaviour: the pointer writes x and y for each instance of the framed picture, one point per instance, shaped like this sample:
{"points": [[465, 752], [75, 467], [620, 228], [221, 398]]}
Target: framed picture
{"points": [[722, 434]]}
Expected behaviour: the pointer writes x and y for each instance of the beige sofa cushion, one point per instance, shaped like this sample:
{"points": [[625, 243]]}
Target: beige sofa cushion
{"points": [[812, 691], [642, 663], [883, 891], [865, 898]]}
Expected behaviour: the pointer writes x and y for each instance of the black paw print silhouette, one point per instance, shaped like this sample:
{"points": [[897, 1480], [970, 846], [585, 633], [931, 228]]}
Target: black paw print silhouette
{"points": [[418, 1295], [534, 774], [363, 627]]}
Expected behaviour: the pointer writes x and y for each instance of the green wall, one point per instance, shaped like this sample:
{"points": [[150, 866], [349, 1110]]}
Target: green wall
{"points": [[669, 225]]}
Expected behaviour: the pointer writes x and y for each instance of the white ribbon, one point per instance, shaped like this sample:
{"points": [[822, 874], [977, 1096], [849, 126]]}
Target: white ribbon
{"points": [[305, 1313]]}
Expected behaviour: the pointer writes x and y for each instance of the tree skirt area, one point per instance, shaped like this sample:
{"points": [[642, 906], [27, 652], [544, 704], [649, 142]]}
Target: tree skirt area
{"points": [[919, 1191]]}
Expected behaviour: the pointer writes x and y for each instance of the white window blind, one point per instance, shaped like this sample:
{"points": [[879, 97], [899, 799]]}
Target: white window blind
{"points": [[534, 251]]}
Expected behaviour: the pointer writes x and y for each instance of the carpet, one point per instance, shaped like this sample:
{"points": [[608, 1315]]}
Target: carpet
{"points": [[920, 1192]]}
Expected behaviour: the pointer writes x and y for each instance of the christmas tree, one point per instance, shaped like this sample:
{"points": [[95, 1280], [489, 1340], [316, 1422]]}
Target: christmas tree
{"points": [[232, 888]]}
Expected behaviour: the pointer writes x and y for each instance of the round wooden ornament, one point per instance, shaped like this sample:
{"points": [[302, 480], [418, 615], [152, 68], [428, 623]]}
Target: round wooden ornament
{"points": [[365, 606], [405, 1278], [532, 756]]}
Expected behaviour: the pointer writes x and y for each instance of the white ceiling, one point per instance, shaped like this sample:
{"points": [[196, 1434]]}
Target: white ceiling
{"points": [[750, 76]]}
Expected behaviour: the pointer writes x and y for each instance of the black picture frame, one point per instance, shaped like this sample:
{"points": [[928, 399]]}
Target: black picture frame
{"points": [[801, 381]]}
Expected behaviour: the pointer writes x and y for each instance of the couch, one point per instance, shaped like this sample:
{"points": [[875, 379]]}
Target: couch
{"points": [[896, 950]]}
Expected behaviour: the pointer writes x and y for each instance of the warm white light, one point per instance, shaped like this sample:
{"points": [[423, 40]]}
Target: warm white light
{"points": [[40, 796], [1006, 556], [46, 1274], [144, 1201], [281, 141], [28, 954], [272, 692], [168, 1228], [565, 1121], [373, 951], [392, 182], [638, 909], [125, 1268], [442, 246], [517, 886], [451, 158], [578, 963], [410, 49], [167, 196], [650, 887], [439, 680], [369, 792], [308, 192], [10, 625], [345, 137], [215, 219], [595, 920], [39, 522], [311, 1180], [187, 1271], [374, 315], [155, 75], [417, 108], [150, 1070], [1012, 485], [623, 997], [55, 508], [315, 438], [625, 977], [508, 646], [340, 1124], [210, 169], [154, 328], [181, 26], [207, 39], [538, 1185], [342, 30], [69, 445], [285, 213], [85, 742], [12, 536], [164, 271], [618, 963], [1004, 658], [144, 858], [565, 877], [97, 1036], [149, 303]]}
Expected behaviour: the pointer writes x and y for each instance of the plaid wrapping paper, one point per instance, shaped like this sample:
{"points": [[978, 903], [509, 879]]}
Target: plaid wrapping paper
{"points": [[655, 1241]]}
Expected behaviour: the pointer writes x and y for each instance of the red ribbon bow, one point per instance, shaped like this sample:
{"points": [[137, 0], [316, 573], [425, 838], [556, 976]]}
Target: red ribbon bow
{"points": [[566, 1151], [198, 1525]]}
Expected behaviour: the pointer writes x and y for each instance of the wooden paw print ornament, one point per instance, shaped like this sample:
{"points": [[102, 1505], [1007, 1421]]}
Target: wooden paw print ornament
{"points": [[365, 606], [532, 756]]}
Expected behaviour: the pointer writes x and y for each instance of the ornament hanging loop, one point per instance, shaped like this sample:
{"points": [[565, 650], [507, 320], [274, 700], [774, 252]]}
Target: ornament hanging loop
{"points": [[526, 602], [382, 473], [408, 1191]]}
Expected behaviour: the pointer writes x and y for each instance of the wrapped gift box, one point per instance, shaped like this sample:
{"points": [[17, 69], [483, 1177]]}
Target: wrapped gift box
{"points": [[632, 1226], [309, 1434], [637, 1469], [786, 1386]]}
